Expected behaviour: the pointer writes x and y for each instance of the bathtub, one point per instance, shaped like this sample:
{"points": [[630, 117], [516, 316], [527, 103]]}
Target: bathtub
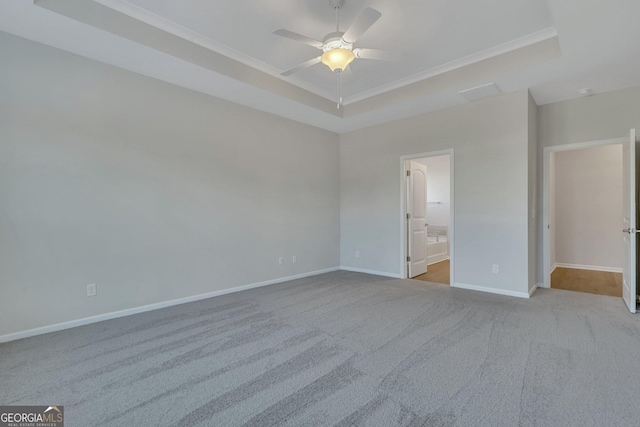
{"points": [[437, 249]]}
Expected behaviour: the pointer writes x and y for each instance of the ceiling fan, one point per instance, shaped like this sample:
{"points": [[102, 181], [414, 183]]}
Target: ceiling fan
{"points": [[338, 47]]}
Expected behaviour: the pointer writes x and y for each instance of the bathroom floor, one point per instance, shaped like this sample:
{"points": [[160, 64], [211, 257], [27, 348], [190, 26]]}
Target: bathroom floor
{"points": [[438, 273], [590, 281]]}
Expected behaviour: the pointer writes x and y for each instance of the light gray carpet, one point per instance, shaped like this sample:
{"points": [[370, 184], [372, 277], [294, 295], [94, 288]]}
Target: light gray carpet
{"points": [[342, 349]]}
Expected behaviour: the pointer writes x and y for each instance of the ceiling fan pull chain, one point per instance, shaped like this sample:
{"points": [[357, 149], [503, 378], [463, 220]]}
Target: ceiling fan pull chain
{"points": [[337, 18], [339, 73]]}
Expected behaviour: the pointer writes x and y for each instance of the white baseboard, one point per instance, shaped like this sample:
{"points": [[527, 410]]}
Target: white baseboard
{"points": [[553, 268], [377, 273], [491, 290], [533, 290], [587, 267], [541, 285], [135, 310], [439, 260]]}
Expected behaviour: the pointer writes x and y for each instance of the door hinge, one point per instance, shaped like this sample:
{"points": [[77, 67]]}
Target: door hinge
{"points": [[408, 173], [408, 216], [408, 259]]}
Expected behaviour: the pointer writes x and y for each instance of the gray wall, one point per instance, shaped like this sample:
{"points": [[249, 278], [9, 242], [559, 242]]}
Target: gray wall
{"points": [[155, 192], [490, 140], [151, 191], [532, 153], [603, 116], [588, 201]]}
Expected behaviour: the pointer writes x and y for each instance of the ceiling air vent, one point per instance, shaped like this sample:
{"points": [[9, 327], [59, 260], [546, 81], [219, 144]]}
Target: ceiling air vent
{"points": [[480, 92]]}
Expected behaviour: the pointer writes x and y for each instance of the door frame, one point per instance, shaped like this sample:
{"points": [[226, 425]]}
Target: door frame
{"points": [[546, 190], [403, 209]]}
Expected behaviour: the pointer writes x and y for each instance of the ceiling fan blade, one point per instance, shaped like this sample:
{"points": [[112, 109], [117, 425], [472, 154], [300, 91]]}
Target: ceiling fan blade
{"points": [[381, 55], [298, 37], [306, 64], [367, 18]]}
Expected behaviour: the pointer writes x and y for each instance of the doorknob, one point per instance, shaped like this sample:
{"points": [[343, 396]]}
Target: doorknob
{"points": [[630, 230], [426, 225]]}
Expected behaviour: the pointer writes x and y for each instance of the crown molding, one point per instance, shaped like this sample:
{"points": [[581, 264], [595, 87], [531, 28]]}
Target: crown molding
{"points": [[143, 15], [105, 18], [510, 46]]}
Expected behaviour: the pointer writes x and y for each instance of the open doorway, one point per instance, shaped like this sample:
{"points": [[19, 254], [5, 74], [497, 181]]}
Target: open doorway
{"points": [[585, 219], [587, 255], [428, 217]]}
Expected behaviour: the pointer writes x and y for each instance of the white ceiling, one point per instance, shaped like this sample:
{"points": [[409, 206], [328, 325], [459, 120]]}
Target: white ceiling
{"points": [[553, 47]]}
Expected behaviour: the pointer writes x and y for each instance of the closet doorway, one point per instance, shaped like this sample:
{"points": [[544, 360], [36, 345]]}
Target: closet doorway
{"points": [[428, 217], [589, 234]]}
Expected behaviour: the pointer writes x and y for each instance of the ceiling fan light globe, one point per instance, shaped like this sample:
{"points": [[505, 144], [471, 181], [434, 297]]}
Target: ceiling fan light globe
{"points": [[337, 59]]}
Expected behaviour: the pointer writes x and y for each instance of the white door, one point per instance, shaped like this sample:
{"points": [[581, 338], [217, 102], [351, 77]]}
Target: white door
{"points": [[417, 218], [629, 213]]}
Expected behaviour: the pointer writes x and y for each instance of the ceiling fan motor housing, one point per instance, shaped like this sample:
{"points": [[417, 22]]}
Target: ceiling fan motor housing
{"points": [[334, 41], [336, 3]]}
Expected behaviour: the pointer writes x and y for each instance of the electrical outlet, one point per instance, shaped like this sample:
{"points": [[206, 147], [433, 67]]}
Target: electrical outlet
{"points": [[281, 260], [496, 268], [294, 259], [92, 290], [357, 253]]}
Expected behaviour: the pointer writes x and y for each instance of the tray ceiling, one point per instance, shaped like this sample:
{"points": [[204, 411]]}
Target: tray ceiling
{"points": [[427, 33], [227, 49]]}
